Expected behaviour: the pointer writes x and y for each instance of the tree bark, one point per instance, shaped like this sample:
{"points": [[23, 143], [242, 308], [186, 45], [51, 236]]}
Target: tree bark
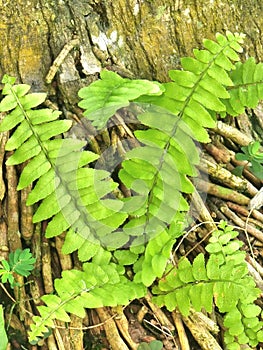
{"points": [[134, 37]]}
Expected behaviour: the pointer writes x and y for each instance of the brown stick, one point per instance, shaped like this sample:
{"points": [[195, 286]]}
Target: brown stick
{"points": [[46, 267], [181, 331], [12, 210], [232, 133], [27, 226], [239, 222], [3, 236], [3, 141], [256, 275], [222, 174], [222, 192], [76, 333], [123, 326], [203, 211], [65, 260], [113, 336], [201, 334], [36, 286], [159, 313], [219, 152]]}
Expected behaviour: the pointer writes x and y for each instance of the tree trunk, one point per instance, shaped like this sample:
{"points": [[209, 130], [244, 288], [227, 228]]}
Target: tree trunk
{"points": [[136, 38], [140, 38]]}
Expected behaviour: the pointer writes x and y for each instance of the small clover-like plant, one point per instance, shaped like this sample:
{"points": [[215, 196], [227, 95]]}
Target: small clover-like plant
{"points": [[254, 158], [20, 262]]}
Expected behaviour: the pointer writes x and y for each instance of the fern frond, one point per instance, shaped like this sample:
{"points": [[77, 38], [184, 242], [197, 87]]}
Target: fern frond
{"points": [[223, 280], [95, 286], [247, 90], [174, 121], [198, 91], [155, 173], [104, 97], [152, 263], [244, 326], [70, 192]]}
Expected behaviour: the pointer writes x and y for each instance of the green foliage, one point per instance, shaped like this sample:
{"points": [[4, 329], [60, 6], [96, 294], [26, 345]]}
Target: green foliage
{"points": [[110, 234], [99, 284], [223, 280], [104, 97], [157, 252], [200, 89], [20, 262], [247, 89], [3, 335], [254, 157], [70, 192], [153, 345], [157, 172]]}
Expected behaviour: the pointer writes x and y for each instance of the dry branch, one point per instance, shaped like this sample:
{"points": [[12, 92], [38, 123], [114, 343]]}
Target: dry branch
{"points": [[221, 192], [229, 132], [111, 330], [201, 334]]}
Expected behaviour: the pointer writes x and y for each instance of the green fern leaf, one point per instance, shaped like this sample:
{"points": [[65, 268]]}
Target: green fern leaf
{"points": [[104, 97], [11, 120], [183, 300], [155, 258], [222, 280], [227, 294], [33, 171], [248, 87], [8, 102], [163, 175], [125, 257], [169, 300], [173, 123], [43, 187], [199, 269], [206, 75], [27, 150], [243, 329], [201, 296], [86, 249], [70, 193], [32, 100], [185, 271], [95, 286]]}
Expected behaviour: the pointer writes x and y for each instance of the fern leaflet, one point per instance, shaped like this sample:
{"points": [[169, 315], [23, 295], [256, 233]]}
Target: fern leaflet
{"points": [[104, 97]]}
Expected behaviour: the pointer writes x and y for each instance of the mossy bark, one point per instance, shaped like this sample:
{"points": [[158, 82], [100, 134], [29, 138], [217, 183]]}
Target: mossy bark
{"points": [[140, 38]]}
